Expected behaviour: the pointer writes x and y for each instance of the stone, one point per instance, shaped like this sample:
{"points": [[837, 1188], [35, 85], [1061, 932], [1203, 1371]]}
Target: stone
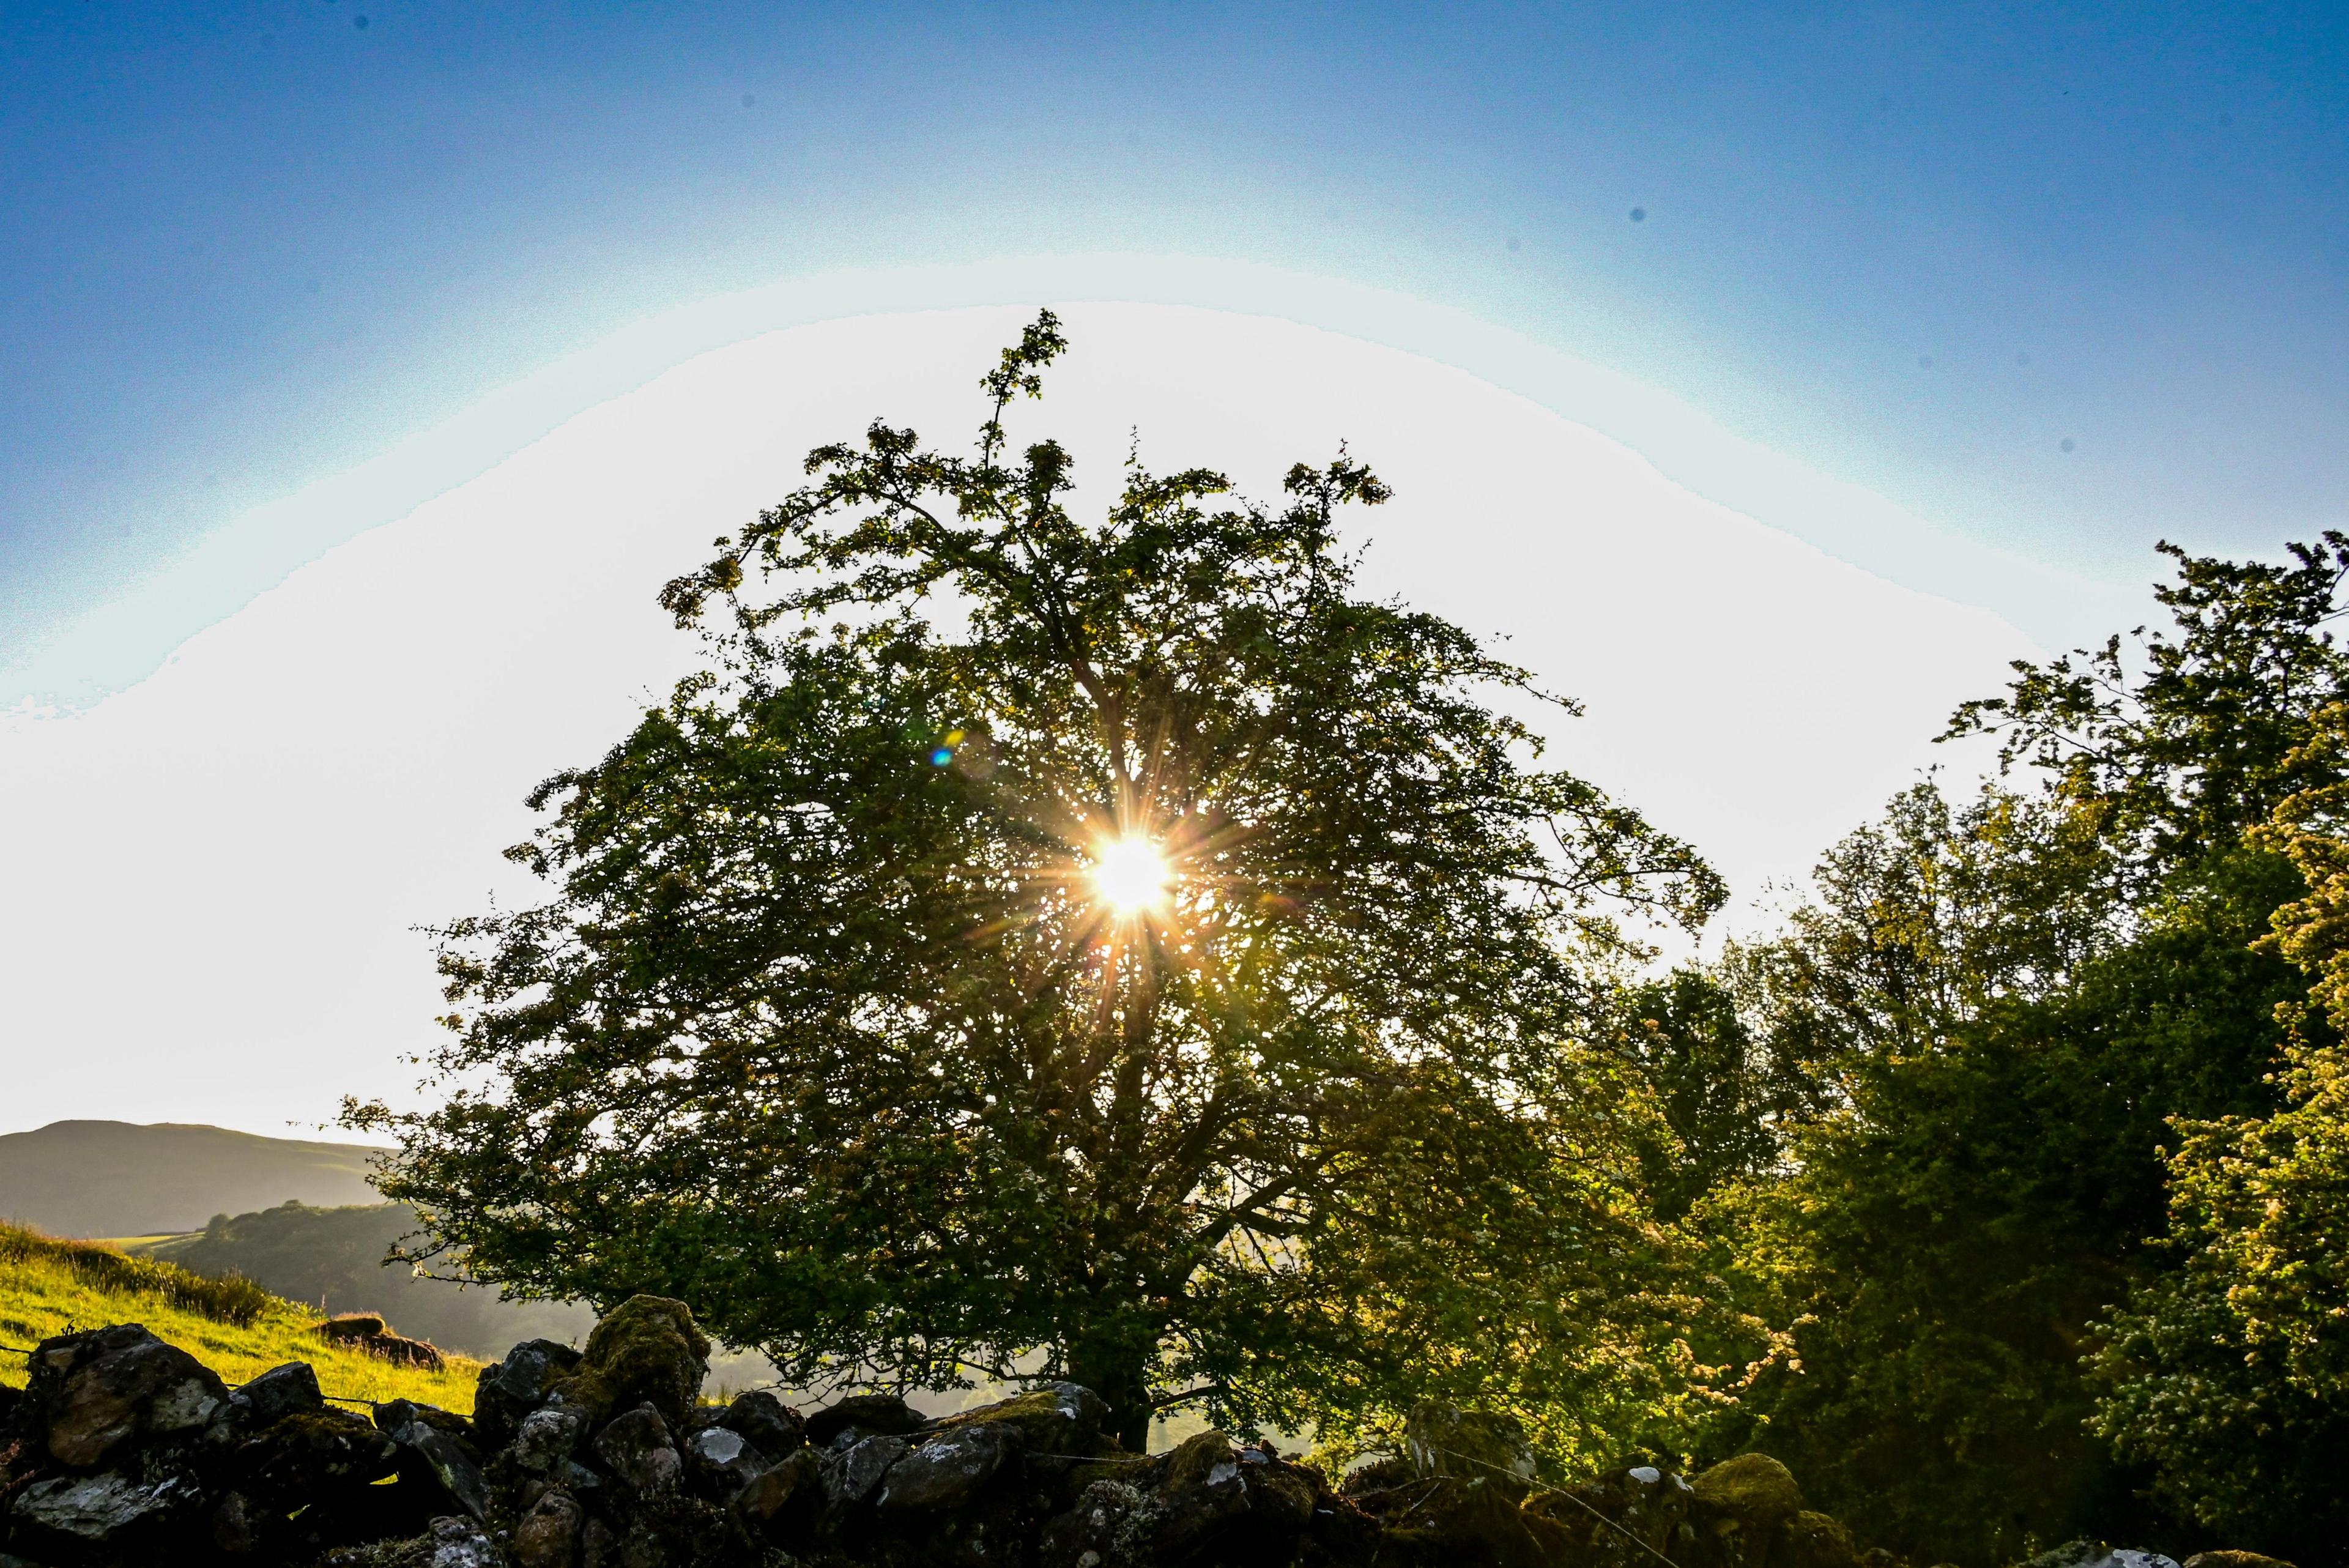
{"points": [[551, 1533], [773, 1428], [1110, 1521], [722, 1461], [2086, 1554], [546, 1439], [719, 1445], [2076, 1554], [511, 1389], [351, 1325], [278, 1392], [99, 1511], [1057, 1418], [1625, 1519], [1812, 1539], [290, 1459], [578, 1478], [645, 1351], [393, 1414], [950, 1470], [459, 1543], [636, 1447], [1660, 1513], [873, 1415], [420, 1353], [851, 1475], [644, 1547], [2234, 1560], [92, 1391], [1207, 1488], [1741, 1504], [1479, 1523], [1753, 1487], [782, 1501], [238, 1524], [440, 1460], [369, 1334], [1479, 1448]]}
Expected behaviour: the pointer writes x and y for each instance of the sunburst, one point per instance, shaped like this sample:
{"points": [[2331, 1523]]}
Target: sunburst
{"points": [[1132, 876]]}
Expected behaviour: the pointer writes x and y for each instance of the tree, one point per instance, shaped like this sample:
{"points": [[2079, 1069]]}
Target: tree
{"points": [[2229, 1375], [2194, 736], [1924, 1247], [1720, 1094], [1111, 951], [2003, 1007]]}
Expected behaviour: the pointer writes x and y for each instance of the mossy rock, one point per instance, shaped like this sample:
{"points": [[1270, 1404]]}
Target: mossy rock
{"points": [[1193, 1461], [1812, 1539], [1753, 1491], [2234, 1560], [300, 1454], [1061, 1418], [645, 1351]]}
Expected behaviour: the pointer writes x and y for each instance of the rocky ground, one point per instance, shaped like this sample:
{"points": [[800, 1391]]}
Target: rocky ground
{"points": [[123, 1451]]}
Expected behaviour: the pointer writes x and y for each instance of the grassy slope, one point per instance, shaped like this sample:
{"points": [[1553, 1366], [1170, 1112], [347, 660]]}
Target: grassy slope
{"points": [[48, 1287]]}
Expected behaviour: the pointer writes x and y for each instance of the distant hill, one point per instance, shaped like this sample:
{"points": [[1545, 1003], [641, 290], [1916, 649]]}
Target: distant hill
{"points": [[332, 1259], [118, 1179]]}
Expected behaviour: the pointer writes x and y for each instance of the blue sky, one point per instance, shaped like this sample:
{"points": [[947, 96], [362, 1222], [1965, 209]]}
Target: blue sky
{"points": [[1919, 248]]}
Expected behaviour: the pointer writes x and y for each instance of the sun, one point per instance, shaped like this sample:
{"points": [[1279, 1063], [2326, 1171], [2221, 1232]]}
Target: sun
{"points": [[1132, 875]]}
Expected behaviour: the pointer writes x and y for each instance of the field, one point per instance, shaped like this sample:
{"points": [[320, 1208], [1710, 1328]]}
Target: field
{"points": [[50, 1287]]}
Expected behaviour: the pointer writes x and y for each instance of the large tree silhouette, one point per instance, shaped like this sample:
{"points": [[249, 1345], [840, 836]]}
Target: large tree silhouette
{"points": [[1110, 949]]}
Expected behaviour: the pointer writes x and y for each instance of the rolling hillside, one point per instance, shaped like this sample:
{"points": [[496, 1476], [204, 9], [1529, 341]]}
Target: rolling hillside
{"points": [[50, 1287], [117, 1178], [297, 1218]]}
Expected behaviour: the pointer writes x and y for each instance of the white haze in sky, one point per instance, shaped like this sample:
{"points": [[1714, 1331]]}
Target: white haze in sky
{"points": [[214, 880]]}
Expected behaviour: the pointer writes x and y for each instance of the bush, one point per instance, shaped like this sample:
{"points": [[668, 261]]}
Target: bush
{"points": [[233, 1300]]}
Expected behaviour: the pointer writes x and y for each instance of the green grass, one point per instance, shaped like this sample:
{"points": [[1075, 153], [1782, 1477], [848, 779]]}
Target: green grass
{"points": [[233, 1326]]}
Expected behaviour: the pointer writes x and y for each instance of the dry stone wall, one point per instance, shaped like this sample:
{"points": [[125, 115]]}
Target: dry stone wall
{"points": [[124, 1452]]}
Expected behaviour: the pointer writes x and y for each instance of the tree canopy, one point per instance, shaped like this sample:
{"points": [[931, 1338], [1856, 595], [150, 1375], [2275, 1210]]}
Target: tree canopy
{"points": [[2228, 1375], [1109, 949], [2041, 1030]]}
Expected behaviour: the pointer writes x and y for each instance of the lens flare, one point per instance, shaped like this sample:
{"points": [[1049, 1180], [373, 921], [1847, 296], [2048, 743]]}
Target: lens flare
{"points": [[1132, 875]]}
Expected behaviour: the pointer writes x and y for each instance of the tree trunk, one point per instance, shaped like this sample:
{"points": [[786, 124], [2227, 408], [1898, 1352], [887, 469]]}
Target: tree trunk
{"points": [[1118, 1373]]}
